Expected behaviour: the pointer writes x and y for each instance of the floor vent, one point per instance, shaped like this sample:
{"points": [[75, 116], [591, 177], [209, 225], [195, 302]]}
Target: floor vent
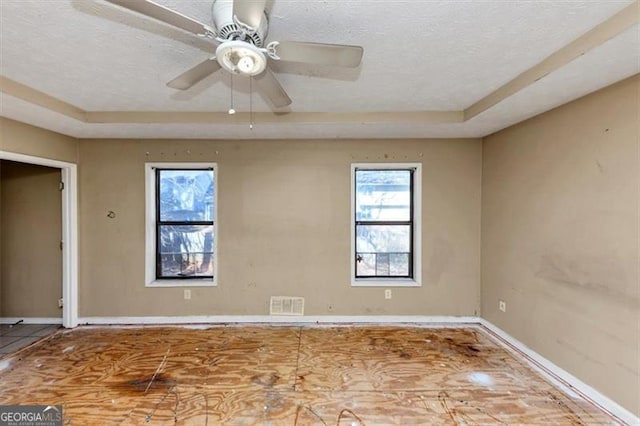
{"points": [[285, 305]]}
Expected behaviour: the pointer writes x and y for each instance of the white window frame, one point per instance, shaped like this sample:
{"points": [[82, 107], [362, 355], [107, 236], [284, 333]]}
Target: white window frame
{"points": [[150, 227], [416, 281]]}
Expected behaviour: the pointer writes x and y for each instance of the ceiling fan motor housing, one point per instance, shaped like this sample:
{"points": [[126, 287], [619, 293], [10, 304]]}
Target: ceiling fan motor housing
{"points": [[228, 30]]}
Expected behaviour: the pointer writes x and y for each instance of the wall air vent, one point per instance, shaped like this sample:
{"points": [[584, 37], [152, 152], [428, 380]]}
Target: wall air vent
{"points": [[286, 305]]}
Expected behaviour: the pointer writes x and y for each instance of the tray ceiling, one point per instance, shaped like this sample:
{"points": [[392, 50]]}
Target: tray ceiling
{"points": [[420, 56]]}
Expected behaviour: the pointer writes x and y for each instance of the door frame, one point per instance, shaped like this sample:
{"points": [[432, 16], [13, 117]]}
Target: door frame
{"points": [[69, 178]]}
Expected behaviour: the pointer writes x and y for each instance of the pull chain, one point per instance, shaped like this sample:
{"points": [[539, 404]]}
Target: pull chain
{"points": [[231, 110], [250, 103]]}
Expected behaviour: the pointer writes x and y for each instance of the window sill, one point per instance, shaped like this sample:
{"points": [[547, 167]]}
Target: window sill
{"points": [[385, 282], [204, 282]]}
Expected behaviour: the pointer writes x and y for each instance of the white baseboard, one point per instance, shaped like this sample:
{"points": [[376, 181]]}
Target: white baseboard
{"points": [[30, 320], [558, 376], [269, 319]]}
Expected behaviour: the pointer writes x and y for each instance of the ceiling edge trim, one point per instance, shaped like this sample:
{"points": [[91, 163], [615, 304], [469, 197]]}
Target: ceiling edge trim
{"points": [[270, 117], [36, 97], [601, 33]]}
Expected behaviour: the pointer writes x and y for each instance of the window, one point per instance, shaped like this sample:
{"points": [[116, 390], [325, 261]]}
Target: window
{"points": [[181, 224], [385, 224]]}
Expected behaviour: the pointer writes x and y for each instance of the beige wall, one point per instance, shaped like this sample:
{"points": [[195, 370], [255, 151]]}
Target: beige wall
{"points": [[31, 223], [29, 140], [0, 238], [284, 227], [560, 237]]}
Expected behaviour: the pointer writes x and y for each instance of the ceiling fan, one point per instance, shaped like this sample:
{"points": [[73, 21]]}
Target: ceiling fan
{"points": [[240, 30]]}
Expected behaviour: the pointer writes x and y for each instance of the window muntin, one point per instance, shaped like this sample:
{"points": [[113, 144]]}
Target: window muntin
{"points": [[384, 223], [185, 210]]}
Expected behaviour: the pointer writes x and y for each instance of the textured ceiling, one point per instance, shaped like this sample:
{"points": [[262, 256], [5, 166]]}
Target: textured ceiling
{"points": [[419, 56]]}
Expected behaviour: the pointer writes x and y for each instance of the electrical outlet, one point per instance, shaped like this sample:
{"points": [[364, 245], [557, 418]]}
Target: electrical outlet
{"points": [[502, 305], [60, 302], [387, 294], [187, 294]]}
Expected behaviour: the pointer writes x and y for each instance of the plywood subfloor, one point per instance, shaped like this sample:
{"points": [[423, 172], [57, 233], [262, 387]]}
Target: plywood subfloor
{"points": [[246, 375]]}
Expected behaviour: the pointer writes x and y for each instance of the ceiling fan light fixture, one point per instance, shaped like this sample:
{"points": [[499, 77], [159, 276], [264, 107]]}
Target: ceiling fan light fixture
{"points": [[241, 58]]}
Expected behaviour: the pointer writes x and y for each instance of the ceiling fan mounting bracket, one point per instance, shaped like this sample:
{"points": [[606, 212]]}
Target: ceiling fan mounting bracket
{"points": [[271, 50], [245, 29], [229, 27], [209, 33]]}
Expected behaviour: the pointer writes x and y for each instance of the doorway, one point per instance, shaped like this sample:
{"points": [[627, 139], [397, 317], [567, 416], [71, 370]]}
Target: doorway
{"points": [[38, 277], [30, 235]]}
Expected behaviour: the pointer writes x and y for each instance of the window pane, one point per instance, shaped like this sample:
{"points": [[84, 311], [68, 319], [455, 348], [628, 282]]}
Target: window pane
{"points": [[383, 194], [186, 195], [383, 238], [186, 251], [399, 264], [382, 264], [383, 250]]}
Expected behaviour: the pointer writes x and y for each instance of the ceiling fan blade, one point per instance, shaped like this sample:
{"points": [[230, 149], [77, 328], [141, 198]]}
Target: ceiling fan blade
{"points": [[164, 14], [190, 77], [249, 12], [319, 53], [269, 85]]}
